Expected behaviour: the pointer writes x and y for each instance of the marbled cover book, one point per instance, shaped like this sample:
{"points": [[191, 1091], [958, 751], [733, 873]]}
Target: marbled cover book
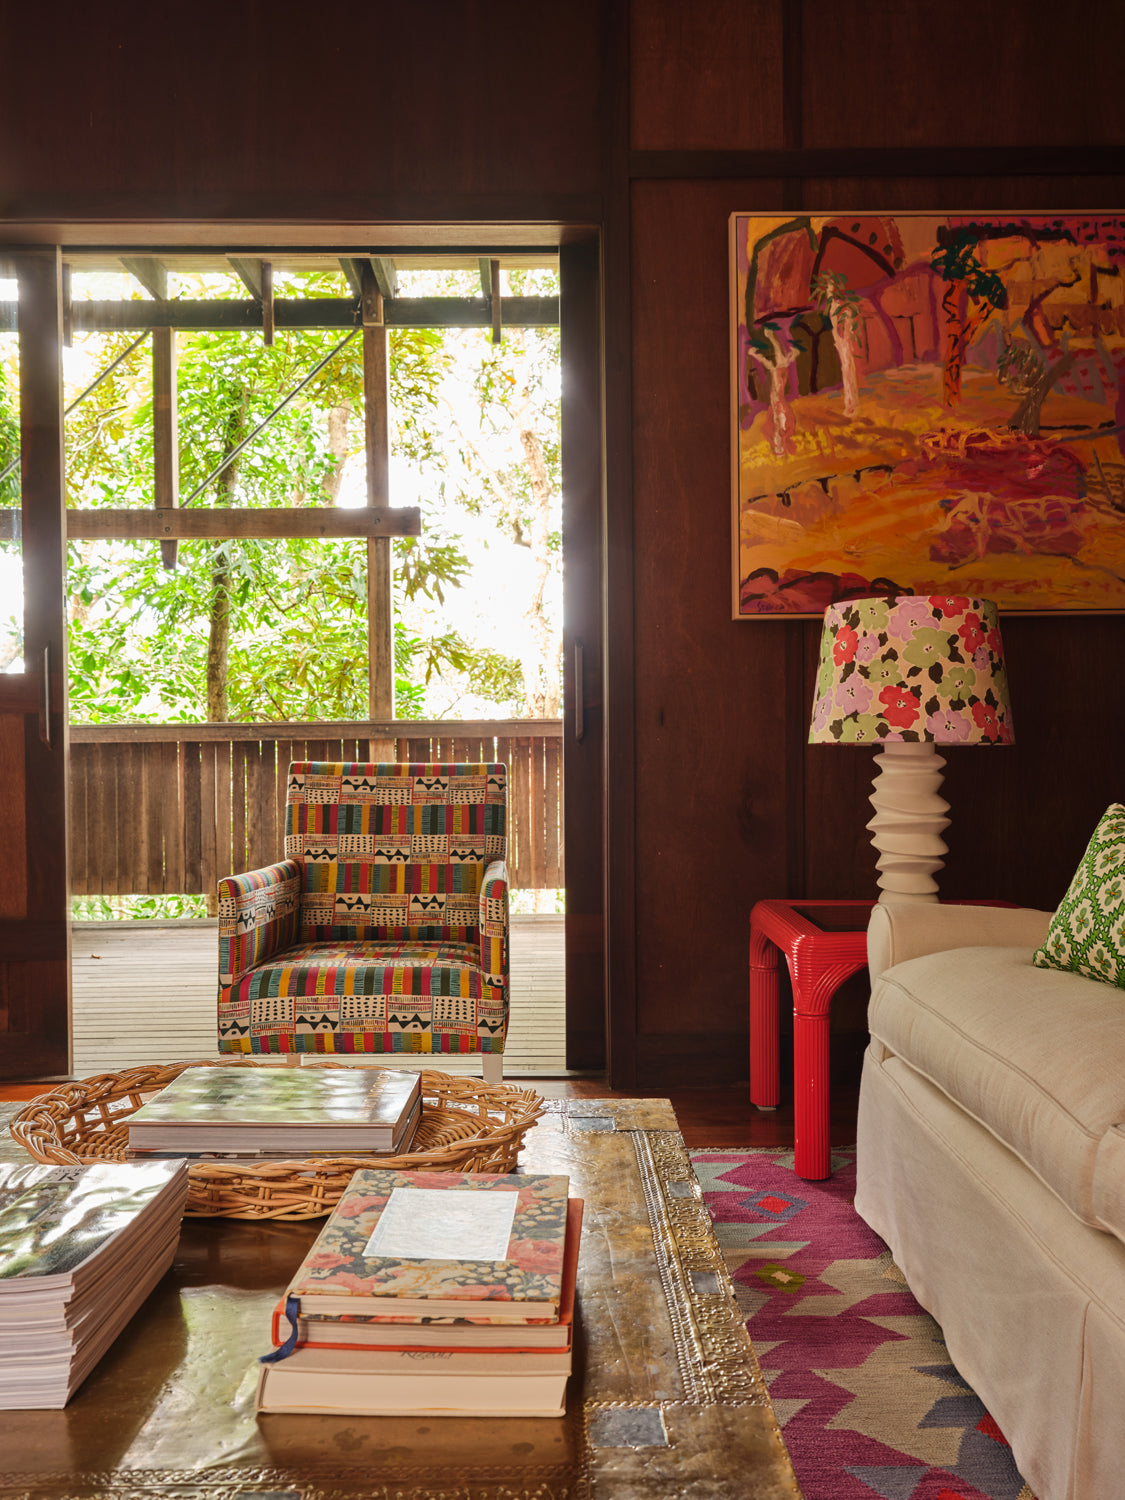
{"points": [[530, 1274]]}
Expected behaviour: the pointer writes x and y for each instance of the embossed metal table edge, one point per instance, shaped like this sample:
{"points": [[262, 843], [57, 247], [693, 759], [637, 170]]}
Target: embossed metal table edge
{"points": [[714, 1355]]}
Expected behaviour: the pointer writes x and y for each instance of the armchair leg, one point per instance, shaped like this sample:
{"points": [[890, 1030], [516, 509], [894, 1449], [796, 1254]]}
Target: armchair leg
{"points": [[492, 1066]]}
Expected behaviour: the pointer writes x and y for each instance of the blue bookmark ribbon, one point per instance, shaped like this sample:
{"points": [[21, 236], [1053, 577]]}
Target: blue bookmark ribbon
{"points": [[292, 1308]]}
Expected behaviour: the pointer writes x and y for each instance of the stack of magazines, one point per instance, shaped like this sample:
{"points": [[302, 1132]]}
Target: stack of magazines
{"points": [[432, 1293], [80, 1250], [279, 1112]]}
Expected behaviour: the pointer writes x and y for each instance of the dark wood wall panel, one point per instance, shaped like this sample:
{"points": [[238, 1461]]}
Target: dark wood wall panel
{"points": [[1021, 816], [238, 110], [713, 781], [481, 109], [732, 803], [1001, 73], [706, 77]]}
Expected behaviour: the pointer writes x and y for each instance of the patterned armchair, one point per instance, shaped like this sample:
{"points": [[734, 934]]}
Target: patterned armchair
{"points": [[385, 928]]}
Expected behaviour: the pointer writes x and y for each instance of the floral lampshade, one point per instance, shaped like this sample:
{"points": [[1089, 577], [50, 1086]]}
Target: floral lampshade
{"points": [[912, 668]]}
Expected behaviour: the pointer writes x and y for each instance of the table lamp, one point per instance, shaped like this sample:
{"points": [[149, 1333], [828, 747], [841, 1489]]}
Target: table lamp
{"points": [[906, 673]]}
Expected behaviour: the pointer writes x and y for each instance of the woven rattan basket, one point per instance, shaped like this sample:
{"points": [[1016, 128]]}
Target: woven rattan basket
{"points": [[466, 1126]]}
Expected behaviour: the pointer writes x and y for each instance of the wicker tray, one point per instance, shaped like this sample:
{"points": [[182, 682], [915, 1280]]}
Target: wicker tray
{"points": [[466, 1126]]}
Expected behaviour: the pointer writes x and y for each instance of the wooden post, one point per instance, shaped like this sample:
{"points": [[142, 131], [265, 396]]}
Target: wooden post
{"points": [[37, 951], [266, 272], [380, 628], [165, 435]]}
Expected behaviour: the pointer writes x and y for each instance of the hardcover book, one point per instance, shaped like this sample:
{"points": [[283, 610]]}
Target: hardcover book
{"points": [[448, 1335], [274, 1109], [421, 1245], [424, 1383]]}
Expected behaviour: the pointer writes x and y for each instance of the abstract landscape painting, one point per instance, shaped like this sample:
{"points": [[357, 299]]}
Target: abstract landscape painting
{"points": [[925, 404]]}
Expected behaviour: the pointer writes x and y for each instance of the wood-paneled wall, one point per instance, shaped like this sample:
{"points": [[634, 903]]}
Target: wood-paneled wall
{"points": [[653, 119], [732, 804]]}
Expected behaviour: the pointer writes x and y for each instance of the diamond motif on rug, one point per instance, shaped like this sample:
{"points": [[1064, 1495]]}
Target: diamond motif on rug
{"points": [[772, 1207], [859, 1376]]}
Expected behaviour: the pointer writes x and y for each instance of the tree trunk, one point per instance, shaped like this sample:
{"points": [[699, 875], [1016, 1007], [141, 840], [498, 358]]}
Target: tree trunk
{"points": [[1027, 415], [338, 418], [961, 335], [218, 635], [544, 697], [779, 379], [843, 336], [218, 625], [845, 349]]}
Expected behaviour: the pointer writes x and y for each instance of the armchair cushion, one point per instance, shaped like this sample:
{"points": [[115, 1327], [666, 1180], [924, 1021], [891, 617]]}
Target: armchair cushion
{"points": [[409, 996]]}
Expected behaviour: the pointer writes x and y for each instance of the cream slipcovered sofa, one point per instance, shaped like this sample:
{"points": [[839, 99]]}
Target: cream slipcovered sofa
{"points": [[992, 1161]]}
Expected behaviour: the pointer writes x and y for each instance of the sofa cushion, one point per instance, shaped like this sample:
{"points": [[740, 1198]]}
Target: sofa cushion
{"points": [[1036, 1055], [1087, 932]]}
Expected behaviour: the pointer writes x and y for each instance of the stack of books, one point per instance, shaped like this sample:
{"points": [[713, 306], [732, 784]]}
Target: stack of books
{"points": [[433, 1293], [80, 1250], [279, 1112]]}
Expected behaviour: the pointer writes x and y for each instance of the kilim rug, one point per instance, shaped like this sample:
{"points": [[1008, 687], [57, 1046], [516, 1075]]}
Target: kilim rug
{"points": [[862, 1384]]}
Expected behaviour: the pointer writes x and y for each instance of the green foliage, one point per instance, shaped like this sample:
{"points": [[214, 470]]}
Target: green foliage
{"points": [[956, 262], [9, 421], [833, 298], [298, 632], [297, 646], [136, 908]]}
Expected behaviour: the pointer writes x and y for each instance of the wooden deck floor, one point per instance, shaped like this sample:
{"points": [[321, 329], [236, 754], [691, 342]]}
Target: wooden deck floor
{"points": [[144, 992]]}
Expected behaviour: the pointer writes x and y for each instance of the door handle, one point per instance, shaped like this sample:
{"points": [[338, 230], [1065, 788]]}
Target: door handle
{"points": [[45, 700], [579, 709]]}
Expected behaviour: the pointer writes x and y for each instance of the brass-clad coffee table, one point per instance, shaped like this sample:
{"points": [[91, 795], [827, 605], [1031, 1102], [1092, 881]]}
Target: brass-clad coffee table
{"points": [[666, 1398]]}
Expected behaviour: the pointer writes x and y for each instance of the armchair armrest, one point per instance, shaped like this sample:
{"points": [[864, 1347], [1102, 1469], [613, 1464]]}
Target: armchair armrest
{"points": [[259, 914], [900, 931], [494, 925]]}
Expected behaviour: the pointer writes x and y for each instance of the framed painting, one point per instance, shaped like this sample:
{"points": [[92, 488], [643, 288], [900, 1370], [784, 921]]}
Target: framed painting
{"points": [[928, 403]]}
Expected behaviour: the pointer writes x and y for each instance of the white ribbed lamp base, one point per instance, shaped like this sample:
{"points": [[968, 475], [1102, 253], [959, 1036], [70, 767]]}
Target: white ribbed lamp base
{"points": [[909, 820]]}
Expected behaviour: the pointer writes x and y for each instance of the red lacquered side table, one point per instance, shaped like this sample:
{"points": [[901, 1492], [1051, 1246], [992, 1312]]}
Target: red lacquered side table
{"points": [[824, 943]]}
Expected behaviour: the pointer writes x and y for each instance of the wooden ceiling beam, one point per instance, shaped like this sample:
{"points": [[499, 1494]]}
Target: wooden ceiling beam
{"points": [[257, 277], [196, 314], [249, 272], [188, 523], [386, 276], [382, 267], [352, 268], [150, 272]]}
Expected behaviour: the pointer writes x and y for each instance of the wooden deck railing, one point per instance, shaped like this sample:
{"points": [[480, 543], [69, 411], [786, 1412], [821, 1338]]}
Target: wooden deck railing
{"points": [[172, 808]]}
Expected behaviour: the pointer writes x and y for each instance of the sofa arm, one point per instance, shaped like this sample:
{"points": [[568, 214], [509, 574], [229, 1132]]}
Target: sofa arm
{"points": [[897, 932], [259, 914]]}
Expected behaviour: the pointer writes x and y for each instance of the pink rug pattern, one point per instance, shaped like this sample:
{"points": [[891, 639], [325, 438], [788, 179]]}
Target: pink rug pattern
{"points": [[862, 1384]]}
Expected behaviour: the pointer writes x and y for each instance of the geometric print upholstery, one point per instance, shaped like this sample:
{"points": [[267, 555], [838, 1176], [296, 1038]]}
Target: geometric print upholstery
{"points": [[385, 928]]}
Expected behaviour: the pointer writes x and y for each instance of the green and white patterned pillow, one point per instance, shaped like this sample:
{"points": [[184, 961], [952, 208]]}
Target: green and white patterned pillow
{"points": [[1087, 932]]}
